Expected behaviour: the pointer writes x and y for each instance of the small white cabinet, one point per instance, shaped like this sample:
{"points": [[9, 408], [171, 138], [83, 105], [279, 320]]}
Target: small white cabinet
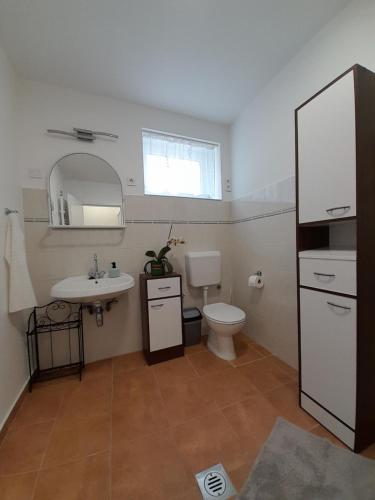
{"points": [[327, 153], [161, 306]]}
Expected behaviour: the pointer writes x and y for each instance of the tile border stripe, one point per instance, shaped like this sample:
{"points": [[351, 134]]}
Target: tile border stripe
{"points": [[181, 221]]}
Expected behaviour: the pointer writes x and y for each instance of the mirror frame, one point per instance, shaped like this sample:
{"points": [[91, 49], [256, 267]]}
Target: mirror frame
{"points": [[55, 226]]}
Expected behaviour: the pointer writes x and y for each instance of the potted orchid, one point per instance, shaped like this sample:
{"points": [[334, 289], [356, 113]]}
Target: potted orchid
{"points": [[160, 265]]}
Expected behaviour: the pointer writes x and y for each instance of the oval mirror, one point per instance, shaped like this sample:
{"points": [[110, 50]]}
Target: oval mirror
{"points": [[85, 191]]}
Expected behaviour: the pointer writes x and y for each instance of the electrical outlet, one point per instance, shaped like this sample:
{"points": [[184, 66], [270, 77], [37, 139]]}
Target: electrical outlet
{"points": [[130, 181], [228, 185], [35, 173]]}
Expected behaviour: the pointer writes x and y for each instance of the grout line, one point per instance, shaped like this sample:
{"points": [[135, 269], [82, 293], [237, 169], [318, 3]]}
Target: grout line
{"points": [[111, 432], [246, 363], [47, 446], [192, 365]]}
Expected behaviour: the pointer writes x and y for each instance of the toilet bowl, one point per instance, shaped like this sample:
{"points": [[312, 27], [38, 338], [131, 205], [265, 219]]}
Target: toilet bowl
{"points": [[224, 321]]}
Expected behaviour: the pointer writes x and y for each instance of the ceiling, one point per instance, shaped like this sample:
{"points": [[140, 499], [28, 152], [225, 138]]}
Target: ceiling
{"points": [[205, 58]]}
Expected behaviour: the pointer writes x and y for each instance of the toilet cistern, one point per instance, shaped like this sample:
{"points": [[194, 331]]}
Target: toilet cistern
{"points": [[204, 269]]}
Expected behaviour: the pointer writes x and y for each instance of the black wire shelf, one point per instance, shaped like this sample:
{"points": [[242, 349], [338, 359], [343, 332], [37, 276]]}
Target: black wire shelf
{"points": [[55, 342]]}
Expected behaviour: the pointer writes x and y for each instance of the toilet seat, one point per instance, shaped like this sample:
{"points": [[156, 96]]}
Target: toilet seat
{"points": [[224, 313]]}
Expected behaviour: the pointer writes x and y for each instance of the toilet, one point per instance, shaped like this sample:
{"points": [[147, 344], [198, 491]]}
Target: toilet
{"points": [[203, 270]]}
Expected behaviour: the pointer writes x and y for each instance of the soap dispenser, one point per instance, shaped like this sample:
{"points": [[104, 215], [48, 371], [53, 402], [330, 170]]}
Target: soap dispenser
{"points": [[114, 271]]}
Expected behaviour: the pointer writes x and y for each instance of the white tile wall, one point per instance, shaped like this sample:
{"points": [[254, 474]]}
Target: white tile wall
{"points": [[267, 244], [56, 254], [251, 234]]}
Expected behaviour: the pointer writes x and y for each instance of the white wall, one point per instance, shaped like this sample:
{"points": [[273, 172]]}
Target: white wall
{"points": [[263, 153], [13, 364], [41, 106], [263, 135]]}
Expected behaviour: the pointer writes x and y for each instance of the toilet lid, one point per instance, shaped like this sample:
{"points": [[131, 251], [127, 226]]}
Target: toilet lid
{"points": [[224, 313]]}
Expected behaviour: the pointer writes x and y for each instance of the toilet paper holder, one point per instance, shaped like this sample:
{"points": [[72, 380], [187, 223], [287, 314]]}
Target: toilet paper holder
{"points": [[258, 273]]}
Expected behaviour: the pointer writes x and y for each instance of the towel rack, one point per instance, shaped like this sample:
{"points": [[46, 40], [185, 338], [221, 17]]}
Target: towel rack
{"points": [[8, 211]]}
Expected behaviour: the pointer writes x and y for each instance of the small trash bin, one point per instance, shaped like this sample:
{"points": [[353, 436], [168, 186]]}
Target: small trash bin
{"points": [[192, 320]]}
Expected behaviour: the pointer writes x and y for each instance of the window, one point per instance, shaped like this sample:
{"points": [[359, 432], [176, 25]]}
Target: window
{"points": [[179, 166]]}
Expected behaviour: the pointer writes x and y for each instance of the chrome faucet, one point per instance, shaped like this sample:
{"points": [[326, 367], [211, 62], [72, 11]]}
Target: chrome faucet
{"points": [[94, 273]]}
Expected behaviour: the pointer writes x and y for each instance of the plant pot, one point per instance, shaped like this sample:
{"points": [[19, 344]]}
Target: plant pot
{"points": [[157, 269]]}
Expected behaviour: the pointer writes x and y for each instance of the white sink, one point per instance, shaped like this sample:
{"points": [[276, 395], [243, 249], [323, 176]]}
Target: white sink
{"points": [[83, 289]]}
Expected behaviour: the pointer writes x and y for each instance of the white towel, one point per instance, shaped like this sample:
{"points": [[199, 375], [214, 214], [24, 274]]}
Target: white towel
{"points": [[21, 291]]}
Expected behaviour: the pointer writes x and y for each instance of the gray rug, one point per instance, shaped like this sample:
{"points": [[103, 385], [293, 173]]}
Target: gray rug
{"points": [[296, 465]]}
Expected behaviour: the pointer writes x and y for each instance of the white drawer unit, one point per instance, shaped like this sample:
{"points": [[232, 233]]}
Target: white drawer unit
{"points": [[335, 174], [332, 270], [163, 287], [328, 352], [161, 306]]}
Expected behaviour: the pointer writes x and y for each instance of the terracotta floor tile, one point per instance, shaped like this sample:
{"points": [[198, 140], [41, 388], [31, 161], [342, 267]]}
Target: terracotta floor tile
{"points": [[192, 493], [245, 352], [17, 487], [87, 479], [38, 406], [265, 374], [193, 349], [239, 476], [98, 370], [209, 440], [185, 401], [285, 401], [252, 420], [135, 381], [206, 362], [136, 415], [89, 398], [166, 425], [174, 371], [226, 387], [291, 372], [78, 437], [323, 433], [22, 449], [149, 468], [262, 350], [129, 362]]}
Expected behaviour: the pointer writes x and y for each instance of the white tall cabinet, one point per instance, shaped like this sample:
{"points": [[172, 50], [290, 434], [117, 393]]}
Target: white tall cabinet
{"points": [[335, 184]]}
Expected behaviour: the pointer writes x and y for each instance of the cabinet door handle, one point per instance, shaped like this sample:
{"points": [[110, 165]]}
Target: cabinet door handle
{"points": [[325, 275], [344, 209], [164, 287], [340, 307], [157, 306]]}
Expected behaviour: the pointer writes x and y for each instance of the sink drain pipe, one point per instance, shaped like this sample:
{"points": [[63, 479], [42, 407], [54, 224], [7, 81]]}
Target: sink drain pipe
{"points": [[98, 311], [97, 308]]}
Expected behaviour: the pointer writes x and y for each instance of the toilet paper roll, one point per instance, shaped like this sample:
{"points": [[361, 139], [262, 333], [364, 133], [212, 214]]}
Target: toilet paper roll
{"points": [[256, 281]]}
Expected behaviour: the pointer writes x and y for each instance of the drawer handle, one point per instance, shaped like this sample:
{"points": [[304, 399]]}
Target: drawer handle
{"points": [[340, 307], [157, 306], [164, 287], [344, 209], [325, 275]]}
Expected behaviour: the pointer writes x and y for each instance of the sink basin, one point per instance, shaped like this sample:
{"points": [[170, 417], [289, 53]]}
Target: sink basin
{"points": [[83, 289]]}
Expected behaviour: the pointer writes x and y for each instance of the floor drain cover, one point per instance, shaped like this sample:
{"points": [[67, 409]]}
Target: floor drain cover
{"points": [[215, 483]]}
